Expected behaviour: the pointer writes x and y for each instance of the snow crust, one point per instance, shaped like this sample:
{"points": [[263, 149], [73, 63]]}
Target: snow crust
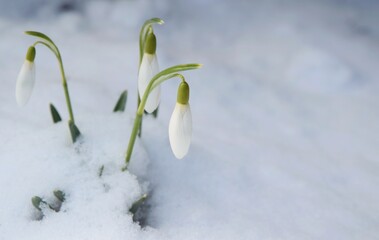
{"points": [[285, 121]]}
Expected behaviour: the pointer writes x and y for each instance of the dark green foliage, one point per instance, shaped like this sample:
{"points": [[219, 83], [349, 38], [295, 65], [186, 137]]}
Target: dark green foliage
{"points": [[75, 133], [155, 113], [137, 204], [101, 170], [121, 103], [59, 195], [37, 201], [55, 114]]}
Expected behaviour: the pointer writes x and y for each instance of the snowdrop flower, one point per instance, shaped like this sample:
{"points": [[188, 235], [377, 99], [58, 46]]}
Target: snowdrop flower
{"points": [[180, 128], [148, 69], [26, 78]]}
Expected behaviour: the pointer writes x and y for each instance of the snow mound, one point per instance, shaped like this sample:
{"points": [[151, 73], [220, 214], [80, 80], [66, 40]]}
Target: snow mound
{"points": [[47, 161]]}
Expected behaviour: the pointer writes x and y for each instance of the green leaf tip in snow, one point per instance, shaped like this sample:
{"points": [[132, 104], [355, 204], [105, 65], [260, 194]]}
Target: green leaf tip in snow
{"points": [[60, 195], [155, 113], [74, 130], [37, 201], [55, 114], [121, 102], [101, 170], [137, 204]]}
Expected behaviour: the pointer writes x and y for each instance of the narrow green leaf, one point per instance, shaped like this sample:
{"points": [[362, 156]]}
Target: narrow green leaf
{"points": [[154, 20], [172, 72], [54, 114], [60, 195], [137, 204], [163, 76], [101, 170], [179, 68], [40, 35], [45, 41], [121, 103], [75, 133]]}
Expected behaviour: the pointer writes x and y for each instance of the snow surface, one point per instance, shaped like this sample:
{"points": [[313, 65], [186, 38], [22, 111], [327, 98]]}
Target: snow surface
{"points": [[285, 115]]}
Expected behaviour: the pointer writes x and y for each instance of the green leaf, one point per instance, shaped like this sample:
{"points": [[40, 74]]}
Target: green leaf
{"points": [[120, 105], [172, 72], [137, 204], [37, 201], [74, 130], [154, 20], [60, 195], [47, 41], [155, 113], [146, 27], [54, 114], [101, 170], [40, 35], [163, 76]]}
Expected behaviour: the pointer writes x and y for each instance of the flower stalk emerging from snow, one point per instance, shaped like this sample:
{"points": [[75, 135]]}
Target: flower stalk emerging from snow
{"points": [[180, 127], [26, 78], [159, 78], [149, 80]]}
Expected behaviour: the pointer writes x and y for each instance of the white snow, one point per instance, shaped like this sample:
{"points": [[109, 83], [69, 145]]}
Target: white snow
{"points": [[285, 121]]}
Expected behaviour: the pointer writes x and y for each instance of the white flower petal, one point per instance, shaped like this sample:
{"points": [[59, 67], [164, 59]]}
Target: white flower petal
{"points": [[148, 69], [25, 83], [180, 130]]}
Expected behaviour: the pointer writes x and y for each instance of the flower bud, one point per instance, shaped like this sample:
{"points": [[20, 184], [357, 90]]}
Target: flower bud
{"points": [[180, 127], [148, 69], [31, 54], [151, 44], [183, 93], [26, 78]]}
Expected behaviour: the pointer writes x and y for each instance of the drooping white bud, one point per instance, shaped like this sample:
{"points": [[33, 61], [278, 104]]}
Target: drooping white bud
{"points": [[148, 69], [26, 78], [180, 128]]}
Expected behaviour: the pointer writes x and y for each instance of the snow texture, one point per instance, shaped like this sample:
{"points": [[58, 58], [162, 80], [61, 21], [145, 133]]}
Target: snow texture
{"points": [[285, 121]]}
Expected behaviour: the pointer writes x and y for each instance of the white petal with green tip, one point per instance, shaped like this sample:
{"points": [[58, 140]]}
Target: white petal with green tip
{"points": [[148, 69], [25, 83], [180, 130]]}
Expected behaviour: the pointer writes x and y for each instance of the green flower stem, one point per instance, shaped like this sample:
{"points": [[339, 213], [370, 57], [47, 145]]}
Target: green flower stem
{"points": [[66, 93], [162, 79], [56, 52], [132, 140], [155, 81]]}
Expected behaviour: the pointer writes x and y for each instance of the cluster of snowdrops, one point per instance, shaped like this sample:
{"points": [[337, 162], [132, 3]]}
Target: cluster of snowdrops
{"points": [[149, 81]]}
